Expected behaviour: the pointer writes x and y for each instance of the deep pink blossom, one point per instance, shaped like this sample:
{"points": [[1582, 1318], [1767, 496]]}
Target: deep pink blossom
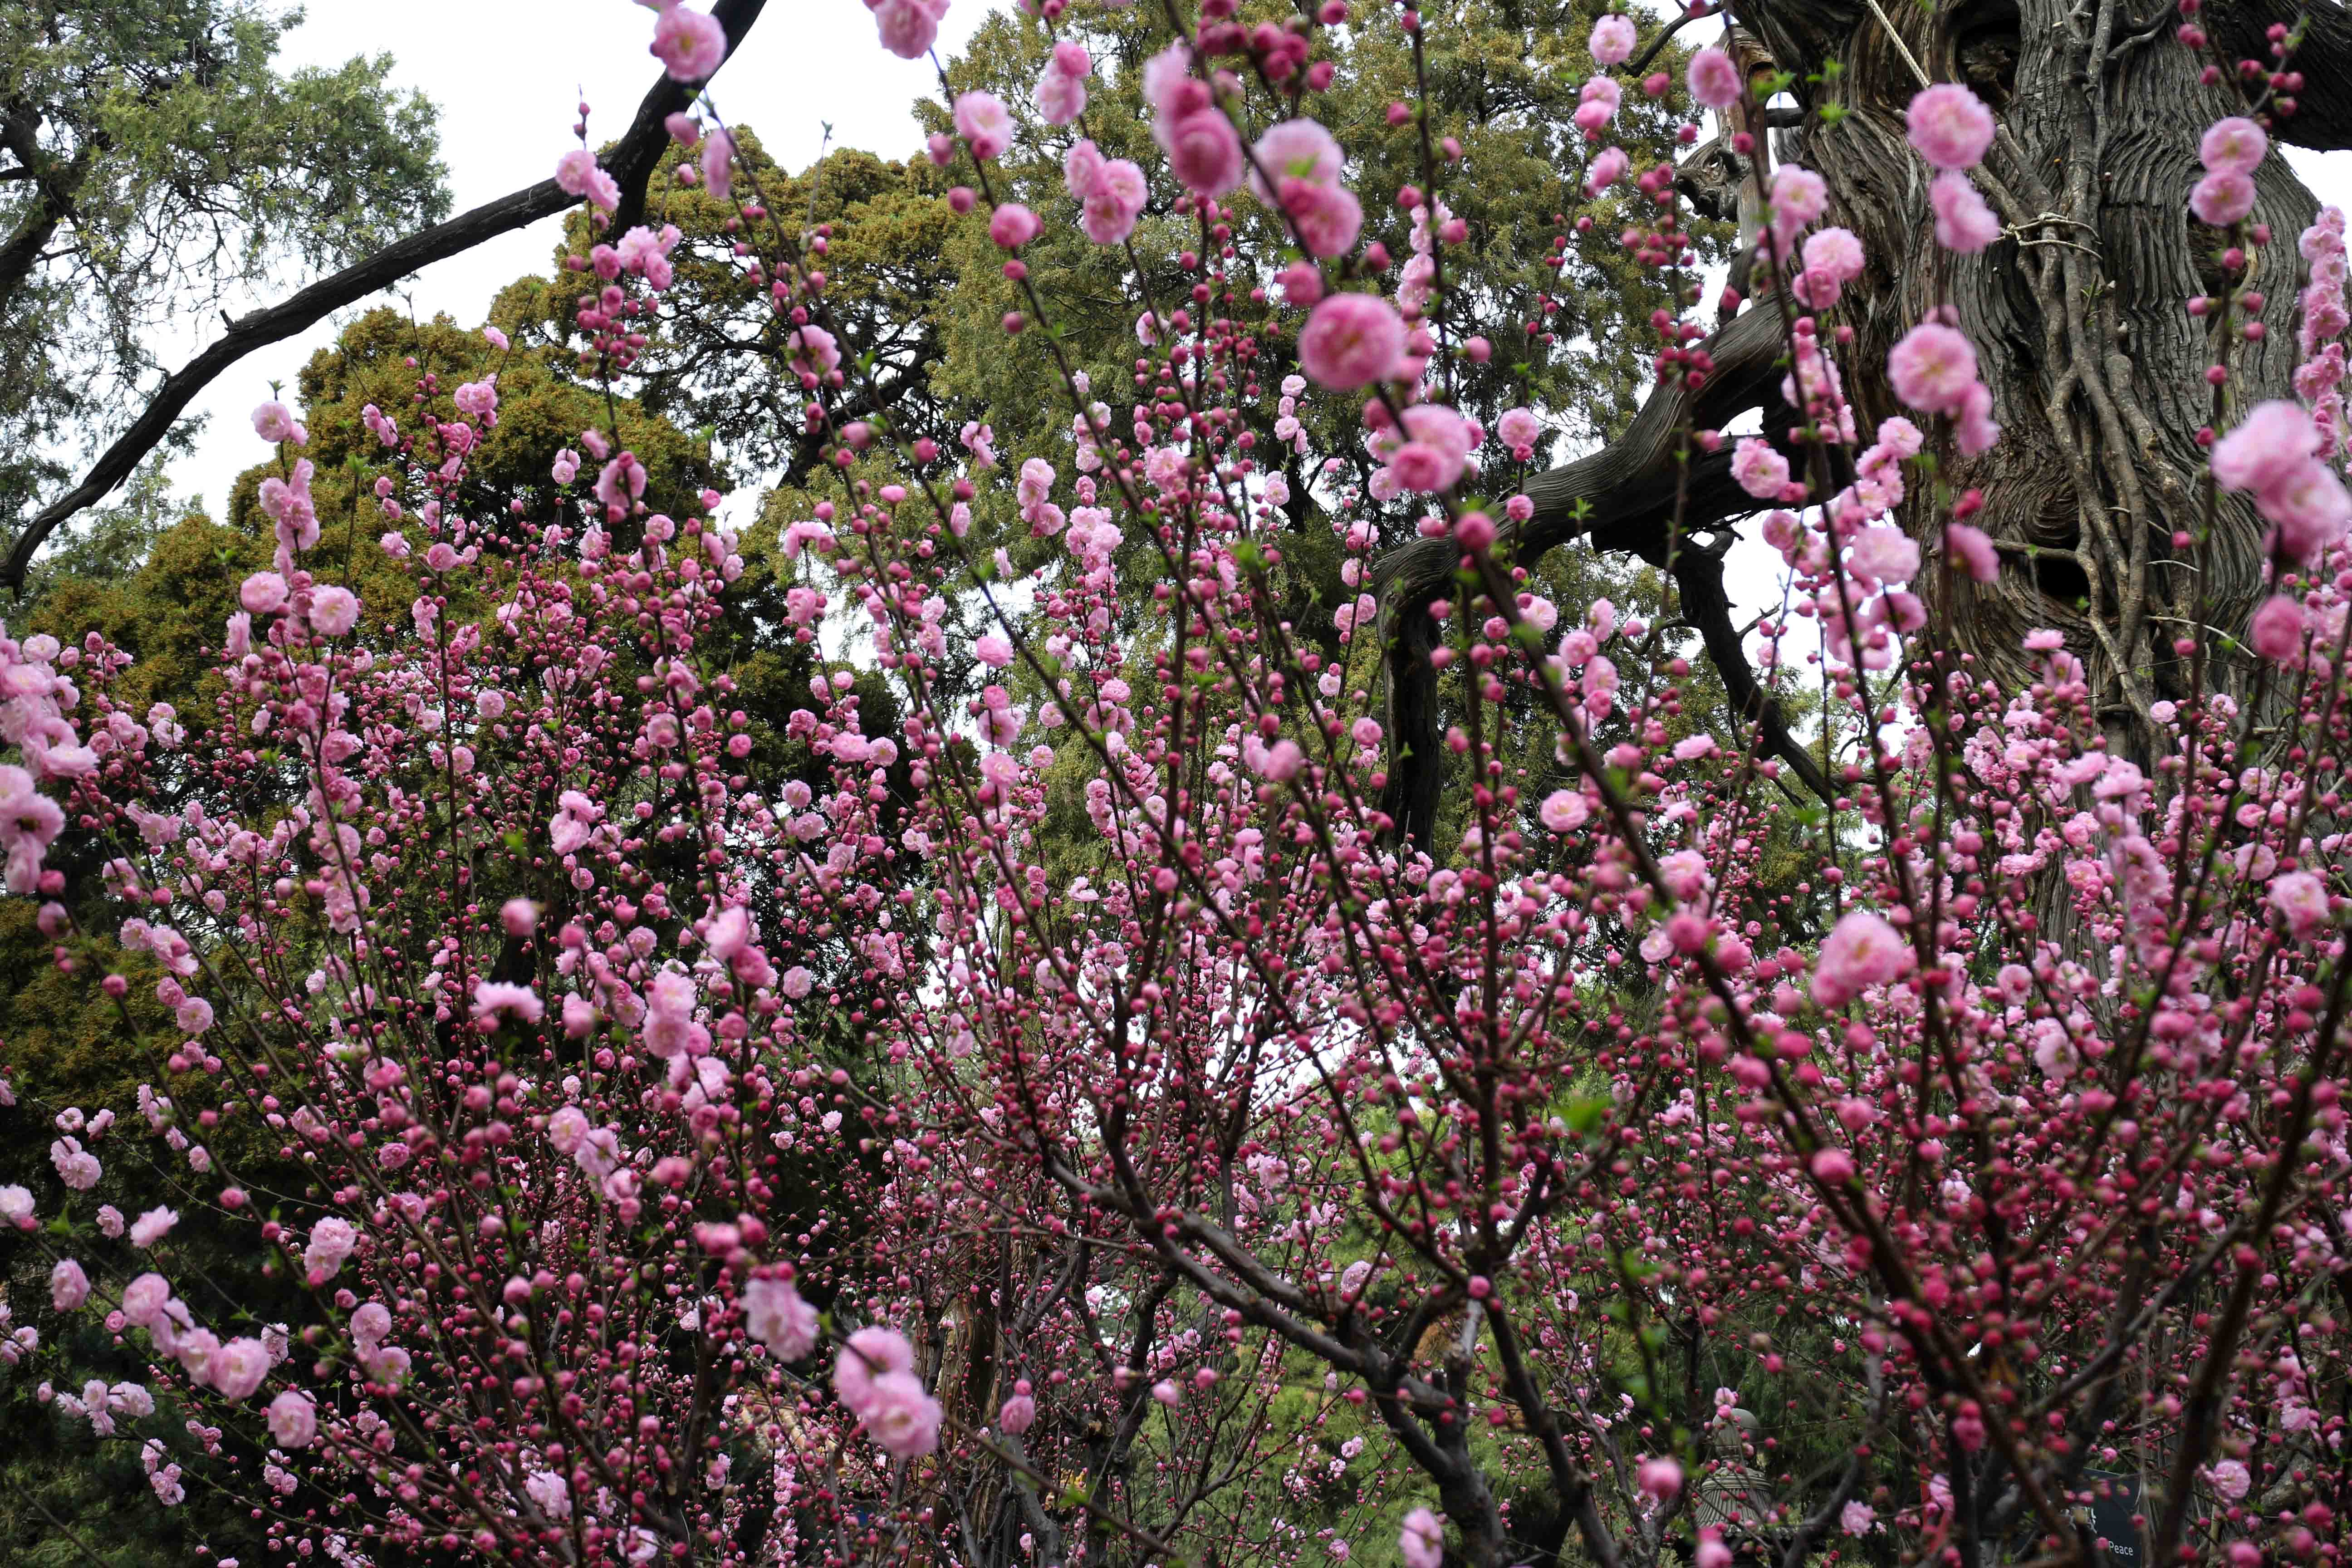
{"points": [[1612, 40], [2222, 199], [1863, 951], [1963, 222], [1932, 368], [1205, 152], [1949, 126], [1350, 341], [2276, 629], [909, 27], [1714, 79], [2233, 146], [982, 120], [1759, 469]]}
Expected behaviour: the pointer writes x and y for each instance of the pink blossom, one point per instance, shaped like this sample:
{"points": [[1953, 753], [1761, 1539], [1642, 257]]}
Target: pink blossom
{"points": [[1974, 427], [1949, 126], [1019, 1412], [263, 593], [333, 611], [816, 353], [143, 1298], [2276, 629], [775, 1315], [1607, 168], [2272, 453], [2233, 146], [2267, 446], [1759, 469], [1519, 430], [1435, 451], [1111, 208], [2301, 898], [1963, 223], [908, 28], [1798, 195], [1082, 166], [1421, 1540], [1596, 106], [332, 1241], [2222, 199], [1612, 40], [2309, 508], [1565, 810], [902, 1416], [1884, 553], [237, 1368], [1863, 951], [1835, 251], [1660, 1478], [69, 1286], [1832, 1167], [1932, 368], [1012, 226], [689, 44], [1205, 152], [984, 123], [1168, 85], [77, 1167], [1973, 550], [1293, 150], [1714, 79], [274, 422], [495, 1000], [370, 1323], [1329, 218], [1061, 94], [1350, 341], [577, 175], [293, 1419], [870, 1354], [717, 166]]}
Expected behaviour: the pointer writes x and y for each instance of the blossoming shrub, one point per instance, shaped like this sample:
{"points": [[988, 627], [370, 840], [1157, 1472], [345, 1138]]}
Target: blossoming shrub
{"points": [[1080, 1127]]}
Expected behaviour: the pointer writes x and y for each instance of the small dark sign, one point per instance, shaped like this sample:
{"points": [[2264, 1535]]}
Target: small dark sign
{"points": [[2114, 1499]]}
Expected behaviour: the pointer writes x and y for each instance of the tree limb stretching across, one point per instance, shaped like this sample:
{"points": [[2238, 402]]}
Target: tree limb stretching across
{"points": [[1627, 491], [631, 162]]}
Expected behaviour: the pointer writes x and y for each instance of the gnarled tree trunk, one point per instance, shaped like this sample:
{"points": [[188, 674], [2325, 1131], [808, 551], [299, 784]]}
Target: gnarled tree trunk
{"points": [[2078, 315]]}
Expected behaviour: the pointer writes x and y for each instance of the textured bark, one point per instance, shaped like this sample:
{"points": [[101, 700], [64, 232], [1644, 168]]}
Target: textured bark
{"points": [[630, 161], [1625, 497], [2077, 313]]}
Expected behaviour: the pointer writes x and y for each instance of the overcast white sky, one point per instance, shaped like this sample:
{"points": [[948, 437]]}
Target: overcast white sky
{"points": [[507, 75]]}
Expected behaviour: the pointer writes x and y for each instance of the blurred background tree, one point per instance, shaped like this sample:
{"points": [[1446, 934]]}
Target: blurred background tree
{"points": [[156, 159]]}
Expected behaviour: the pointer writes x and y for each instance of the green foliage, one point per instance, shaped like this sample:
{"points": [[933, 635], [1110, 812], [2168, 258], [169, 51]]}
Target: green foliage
{"points": [[718, 360], [165, 160]]}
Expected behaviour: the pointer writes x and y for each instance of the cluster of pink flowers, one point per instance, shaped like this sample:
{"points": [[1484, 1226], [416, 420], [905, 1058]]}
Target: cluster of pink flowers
{"points": [[1065, 1068], [2232, 150], [1202, 149], [1111, 192]]}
